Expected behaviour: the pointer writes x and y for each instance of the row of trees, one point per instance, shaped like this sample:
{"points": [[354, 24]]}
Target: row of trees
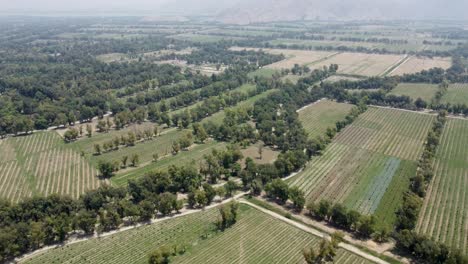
{"points": [[408, 241]]}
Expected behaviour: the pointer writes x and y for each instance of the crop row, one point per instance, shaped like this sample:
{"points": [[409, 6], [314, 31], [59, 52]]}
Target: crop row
{"points": [[322, 115], [444, 215], [388, 131], [255, 238]]}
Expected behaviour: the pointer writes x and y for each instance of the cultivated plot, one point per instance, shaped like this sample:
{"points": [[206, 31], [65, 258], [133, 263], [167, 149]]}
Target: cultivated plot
{"points": [[425, 91], [416, 64], [316, 118], [444, 215], [368, 165], [362, 64], [301, 57], [247, 241], [456, 94], [41, 164]]}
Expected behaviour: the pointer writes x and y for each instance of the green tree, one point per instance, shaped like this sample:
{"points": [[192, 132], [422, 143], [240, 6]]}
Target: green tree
{"points": [[71, 135], [86, 221], [297, 197], [106, 169], [230, 187], [97, 149], [89, 130], [277, 189], [134, 160], [124, 161]]}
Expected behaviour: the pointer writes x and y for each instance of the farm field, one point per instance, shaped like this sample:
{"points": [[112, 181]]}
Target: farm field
{"points": [[368, 165], [247, 241], [457, 93], [203, 38], [317, 117], [336, 78], [362, 64], [263, 72], [444, 215], [424, 91], [41, 164], [194, 154], [417, 64], [161, 145], [218, 117], [414, 47], [301, 57], [86, 144], [292, 78], [352, 63]]}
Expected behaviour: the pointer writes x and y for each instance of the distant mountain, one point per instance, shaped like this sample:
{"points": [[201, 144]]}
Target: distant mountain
{"points": [[251, 11]]}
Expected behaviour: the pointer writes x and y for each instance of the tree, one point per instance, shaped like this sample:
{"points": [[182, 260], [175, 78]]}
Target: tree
{"points": [[85, 220], [323, 210], [200, 198], [71, 135], [147, 209], [310, 256], [135, 159], [106, 169], [381, 235], [200, 133], [166, 203], [159, 256], [260, 151], [210, 193], [277, 189], [230, 187], [89, 130], [101, 126], [97, 149], [339, 216], [131, 139], [175, 148], [155, 157], [297, 197], [366, 225], [228, 215], [186, 141], [124, 161]]}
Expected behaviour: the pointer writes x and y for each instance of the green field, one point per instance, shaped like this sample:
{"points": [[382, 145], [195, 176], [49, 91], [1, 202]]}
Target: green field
{"points": [[218, 117], [41, 164], [203, 38], [255, 238], [293, 78], [194, 155], [424, 91], [368, 165], [456, 94], [263, 72], [318, 117], [336, 44], [161, 145], [444, 215]]}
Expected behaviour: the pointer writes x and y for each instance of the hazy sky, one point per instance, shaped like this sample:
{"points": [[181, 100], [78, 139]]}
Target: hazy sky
{"points": [[457, 9]]}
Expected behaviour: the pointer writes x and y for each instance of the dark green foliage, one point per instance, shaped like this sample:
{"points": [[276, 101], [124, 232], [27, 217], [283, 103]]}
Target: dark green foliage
{"points": [[228, 215]]}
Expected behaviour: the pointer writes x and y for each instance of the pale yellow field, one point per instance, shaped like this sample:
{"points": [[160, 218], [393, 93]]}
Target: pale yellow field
{"points": [[301, 57], [348, 63], [417, 64], [361, 63]]}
